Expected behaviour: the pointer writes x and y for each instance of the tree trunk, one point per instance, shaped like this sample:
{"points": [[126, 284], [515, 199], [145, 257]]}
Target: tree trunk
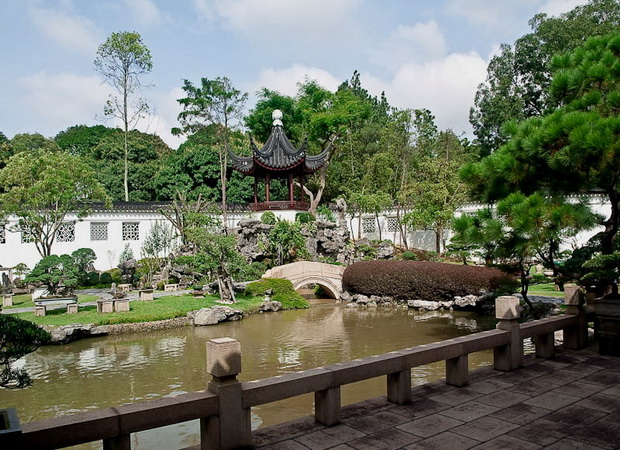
{"points": [[401, 228], [611, 225]]}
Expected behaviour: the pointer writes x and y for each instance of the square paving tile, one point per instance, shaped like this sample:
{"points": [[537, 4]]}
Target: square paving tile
{"points": [[521, 375], [569, 444], [533, 387], [604, 363], [564, 376], [604, 377], [488, 386], [284, 431], [329, 437], [284, 445], [507, 442], [386, 439], [469, 411], [520, 413], [579, 389], [575, 415], [602, 434], [429, 425], [373, 423], [614, 390], [457, 396], [541, 432], [601, 402], [503, 399], [485, 428], [444, 441], [419, 408], [552, 400]]}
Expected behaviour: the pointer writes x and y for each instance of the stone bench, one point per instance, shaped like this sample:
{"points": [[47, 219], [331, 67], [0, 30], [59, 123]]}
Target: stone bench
{"points": [[171, 287], [41, 305], [145, 294], [105, 305], [124, 287]]}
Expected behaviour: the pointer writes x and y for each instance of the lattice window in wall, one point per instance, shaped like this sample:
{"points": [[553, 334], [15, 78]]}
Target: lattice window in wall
{"points": [[27, 236], [392, 224], [99, 231], [369, 225], [66, 232], [2, 234], [131, 231]]}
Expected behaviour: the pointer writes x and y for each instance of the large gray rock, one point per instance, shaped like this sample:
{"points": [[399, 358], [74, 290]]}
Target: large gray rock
{"points": [[215, 315], [252, 239], [69, 333], [270, 306]]}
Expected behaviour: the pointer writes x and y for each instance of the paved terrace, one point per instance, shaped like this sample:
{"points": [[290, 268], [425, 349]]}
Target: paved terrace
{"points": [[569, 402]]}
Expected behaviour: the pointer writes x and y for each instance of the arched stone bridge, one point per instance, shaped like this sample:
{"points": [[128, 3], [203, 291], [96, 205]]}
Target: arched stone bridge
{"points": [[301, 273]]}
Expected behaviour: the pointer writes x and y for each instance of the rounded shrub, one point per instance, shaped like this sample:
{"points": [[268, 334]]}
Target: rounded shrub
{"points": [[283, 292], [268, 218], [421, 279]]}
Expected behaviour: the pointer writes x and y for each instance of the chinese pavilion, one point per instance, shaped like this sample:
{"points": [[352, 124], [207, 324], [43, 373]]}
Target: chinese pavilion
{"points": [[278, 158]]}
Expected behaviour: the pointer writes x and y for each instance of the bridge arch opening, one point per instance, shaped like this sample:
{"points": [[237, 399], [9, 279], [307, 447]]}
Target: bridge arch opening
{"points": [[329, 289]]}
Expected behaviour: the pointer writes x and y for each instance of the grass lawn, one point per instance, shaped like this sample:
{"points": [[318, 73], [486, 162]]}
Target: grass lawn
{"points": [[25, 300], [547, 289], [158, 309]]}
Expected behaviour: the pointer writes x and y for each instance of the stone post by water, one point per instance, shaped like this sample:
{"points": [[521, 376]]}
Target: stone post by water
{"points": [[231, 428], [576, 337], [510, 356]]}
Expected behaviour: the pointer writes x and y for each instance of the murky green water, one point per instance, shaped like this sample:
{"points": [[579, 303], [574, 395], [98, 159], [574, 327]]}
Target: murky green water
{"points": [[115, 370]]}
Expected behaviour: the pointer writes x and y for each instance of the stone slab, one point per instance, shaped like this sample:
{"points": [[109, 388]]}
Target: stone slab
{"points": [[485, 428]]}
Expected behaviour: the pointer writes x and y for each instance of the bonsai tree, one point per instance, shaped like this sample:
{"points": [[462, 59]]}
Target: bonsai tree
{"points": [[59, 273], [604, 273], [17, 338]]}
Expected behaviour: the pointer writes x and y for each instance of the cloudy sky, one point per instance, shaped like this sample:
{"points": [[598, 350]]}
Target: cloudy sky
{"points": [[422, 53]]}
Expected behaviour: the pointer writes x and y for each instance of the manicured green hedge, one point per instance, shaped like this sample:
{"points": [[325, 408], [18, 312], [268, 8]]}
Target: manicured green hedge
{"points": [[421, 279], [283, 292]]}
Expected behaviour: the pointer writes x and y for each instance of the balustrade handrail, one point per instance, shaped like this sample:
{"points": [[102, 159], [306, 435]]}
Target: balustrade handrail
{"points": [[114, 425]]}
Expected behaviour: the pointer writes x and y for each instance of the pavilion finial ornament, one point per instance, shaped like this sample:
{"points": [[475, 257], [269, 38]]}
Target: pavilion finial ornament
{"points": [[276, 115]]}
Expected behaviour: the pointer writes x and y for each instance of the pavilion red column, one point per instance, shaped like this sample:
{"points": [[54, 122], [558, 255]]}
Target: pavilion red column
{"points": [[301, 189], [291, 198], [255, 192], [267, 180]]}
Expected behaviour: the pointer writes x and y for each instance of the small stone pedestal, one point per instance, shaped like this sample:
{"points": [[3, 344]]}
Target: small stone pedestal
{"points": [[7, 300], [507, 311], [72, 308], [123, 288], [39, 311], [145, 294], [105, 306], [121, 305]]}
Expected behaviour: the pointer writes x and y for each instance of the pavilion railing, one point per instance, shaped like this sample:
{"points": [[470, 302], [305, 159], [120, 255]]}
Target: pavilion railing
{"points": [[279, 205], [224, 408]]}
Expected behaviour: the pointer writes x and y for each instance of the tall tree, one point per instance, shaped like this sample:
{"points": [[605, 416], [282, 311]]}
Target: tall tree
{"points": [[41, 188], [574, 149], [122, 59], [518, 77], [215, 102]]}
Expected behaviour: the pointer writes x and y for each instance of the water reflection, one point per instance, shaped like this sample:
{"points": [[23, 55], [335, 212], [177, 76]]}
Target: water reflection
{"points": [[115, 370]]}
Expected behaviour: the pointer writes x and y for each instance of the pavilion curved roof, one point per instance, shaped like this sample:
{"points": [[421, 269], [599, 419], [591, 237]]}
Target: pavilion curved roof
{"points": [[279, 155]]}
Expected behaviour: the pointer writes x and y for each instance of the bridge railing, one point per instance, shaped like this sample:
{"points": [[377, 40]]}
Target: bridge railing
{"points": [[224, 408]]}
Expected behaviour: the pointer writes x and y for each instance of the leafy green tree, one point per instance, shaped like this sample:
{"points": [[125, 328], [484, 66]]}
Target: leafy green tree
{"points": [[81, 140], [215, 102], [41, 188], [55, 271], [286, 242], [83, 259], [17, 338], [519, 77], [575, 148], [122, 59]]}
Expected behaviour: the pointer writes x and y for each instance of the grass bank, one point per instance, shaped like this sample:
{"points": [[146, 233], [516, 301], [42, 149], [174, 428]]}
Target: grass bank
{"points": [[25, 301], [546, 289], [141, 311]]}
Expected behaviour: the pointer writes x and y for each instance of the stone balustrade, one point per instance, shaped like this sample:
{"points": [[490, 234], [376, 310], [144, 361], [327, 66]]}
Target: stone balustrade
{"points": [[7, 300], [224, 408]]}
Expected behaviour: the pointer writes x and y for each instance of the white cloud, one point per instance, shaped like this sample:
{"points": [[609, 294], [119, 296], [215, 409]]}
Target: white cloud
{"points": [[69, 30], [557, 7], [283, 21], [285, 80], [161, 120], [55, 102], [419, 42], [446, 87], [491, 14], [145, 11]]}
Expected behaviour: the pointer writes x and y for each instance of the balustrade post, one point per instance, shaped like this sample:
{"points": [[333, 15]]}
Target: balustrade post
{"points": [[122, 442], [576, 337], [457, 371], [510, 356], [545, 345], [399, 387], [327, 406], [231, 428]]}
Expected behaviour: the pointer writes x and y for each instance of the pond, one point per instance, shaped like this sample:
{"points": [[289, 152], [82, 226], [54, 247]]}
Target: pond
{"points": [[110, 371]]}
